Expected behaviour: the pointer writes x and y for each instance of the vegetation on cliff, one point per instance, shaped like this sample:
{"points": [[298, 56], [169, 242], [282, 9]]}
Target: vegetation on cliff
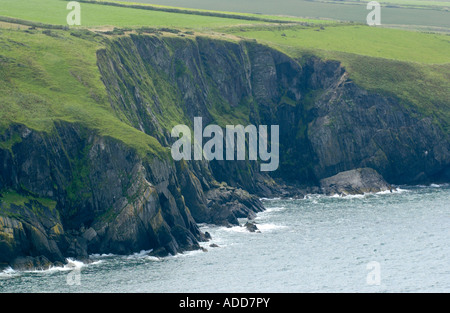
{"points": [[86, 114]]}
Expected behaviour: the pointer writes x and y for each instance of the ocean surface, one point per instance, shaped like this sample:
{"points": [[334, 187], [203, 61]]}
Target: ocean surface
{"points": [[384, 242]]}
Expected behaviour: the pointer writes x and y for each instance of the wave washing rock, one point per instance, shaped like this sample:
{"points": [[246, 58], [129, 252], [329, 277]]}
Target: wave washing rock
{"points": [[227, 204], [358, 181], [251, 227]]}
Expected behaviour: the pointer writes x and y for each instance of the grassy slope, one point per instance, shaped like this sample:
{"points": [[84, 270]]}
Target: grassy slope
{"points": [[47, 78], [52, 75], [9, 197], [55, 77], [358, 39]]}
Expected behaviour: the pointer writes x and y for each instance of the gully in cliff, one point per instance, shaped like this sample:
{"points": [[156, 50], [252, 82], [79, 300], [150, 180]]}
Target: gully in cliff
{"points": [[214, 148]]}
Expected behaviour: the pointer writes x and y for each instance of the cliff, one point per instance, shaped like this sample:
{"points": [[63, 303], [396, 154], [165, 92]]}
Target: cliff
{"points": [[72, 190]]}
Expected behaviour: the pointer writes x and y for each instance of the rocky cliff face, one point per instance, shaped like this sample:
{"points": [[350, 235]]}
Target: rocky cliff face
{"points": [[353, 128], [327, 123], [104, 198], [72, 192]]}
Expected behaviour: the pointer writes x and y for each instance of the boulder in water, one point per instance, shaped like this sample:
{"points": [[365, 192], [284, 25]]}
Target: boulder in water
{"points": [[358, 181], [251, 227]]}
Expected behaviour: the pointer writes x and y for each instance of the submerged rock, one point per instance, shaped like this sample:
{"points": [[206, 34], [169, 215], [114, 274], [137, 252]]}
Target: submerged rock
{"points": [[358, 181]]}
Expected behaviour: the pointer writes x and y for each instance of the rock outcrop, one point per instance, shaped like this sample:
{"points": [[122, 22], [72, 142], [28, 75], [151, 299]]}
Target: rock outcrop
{"points": [[357, 181], [251, 227], [227, 204], [73, 193]]}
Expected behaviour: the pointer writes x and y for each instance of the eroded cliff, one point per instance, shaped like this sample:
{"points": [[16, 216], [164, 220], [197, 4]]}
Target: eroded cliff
{"points": [[72, 191]]}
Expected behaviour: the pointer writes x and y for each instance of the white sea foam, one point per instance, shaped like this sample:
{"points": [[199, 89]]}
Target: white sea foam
{"points": [[8, 270], [397, 190], [263, 227], [432, 185], [142, 255], [8, 273], [70, 266], [314, 196], [269, 227], [344, 196], [311, 196], [400, 190], [237, 229], [366, 194], [152, 258], [394, 191], [139, 255], [103, 255], [185, 254], [272, 209], [385, 192]]}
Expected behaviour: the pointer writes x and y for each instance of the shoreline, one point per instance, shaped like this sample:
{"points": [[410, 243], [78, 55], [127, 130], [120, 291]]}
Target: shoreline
{"points": [[96, 258]]}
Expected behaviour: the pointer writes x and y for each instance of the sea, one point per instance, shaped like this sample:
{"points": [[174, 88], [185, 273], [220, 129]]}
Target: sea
{"points": [[381, 242]]}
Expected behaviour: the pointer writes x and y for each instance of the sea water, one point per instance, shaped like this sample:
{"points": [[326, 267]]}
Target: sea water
{"points": [[383, 242]]}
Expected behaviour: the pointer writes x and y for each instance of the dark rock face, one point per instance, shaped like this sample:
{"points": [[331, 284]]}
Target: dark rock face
{"points": [[113, 202], [327, 123], [227, 204], [105, 198], [358, 181], [353, 128], [30, 263], [32, 234]]}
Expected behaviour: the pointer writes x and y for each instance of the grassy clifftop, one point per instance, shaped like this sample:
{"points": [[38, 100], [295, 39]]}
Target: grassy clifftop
{"points": [[52, 76], [412, 66], [49, 75]]}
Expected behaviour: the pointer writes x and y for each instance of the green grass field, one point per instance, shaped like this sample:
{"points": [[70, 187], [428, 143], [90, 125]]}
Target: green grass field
{"points": [[55, 12], [411, 16], [362, 40], [428, 4], [358, 39]]}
